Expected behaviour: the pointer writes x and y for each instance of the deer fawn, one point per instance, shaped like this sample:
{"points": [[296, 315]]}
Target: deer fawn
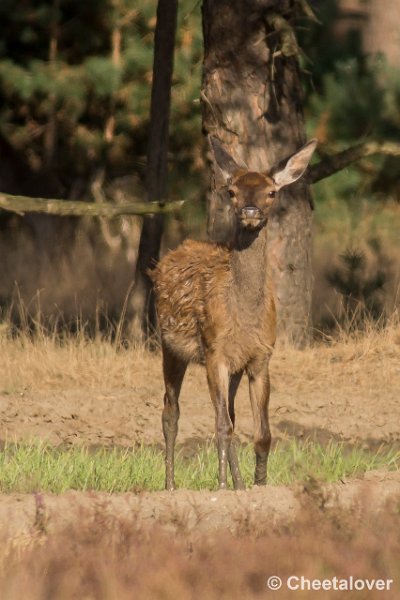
{"points": [[215, 305]]}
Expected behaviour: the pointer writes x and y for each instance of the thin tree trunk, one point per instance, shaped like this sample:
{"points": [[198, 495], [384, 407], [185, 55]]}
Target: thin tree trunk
{"points": [[156, 178], [252, 102], [378, 23], [381, 32], [50, 135]]}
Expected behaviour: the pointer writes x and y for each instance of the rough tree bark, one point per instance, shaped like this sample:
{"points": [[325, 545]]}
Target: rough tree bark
{"points": [[252, 102], [156, 178]]}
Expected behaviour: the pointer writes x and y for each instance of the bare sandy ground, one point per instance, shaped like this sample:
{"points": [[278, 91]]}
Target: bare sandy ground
{"points": [[345, 403], [259, 509]]}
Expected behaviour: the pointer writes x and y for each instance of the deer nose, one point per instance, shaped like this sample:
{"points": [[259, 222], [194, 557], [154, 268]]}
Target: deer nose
{"points": [[250, 212]]}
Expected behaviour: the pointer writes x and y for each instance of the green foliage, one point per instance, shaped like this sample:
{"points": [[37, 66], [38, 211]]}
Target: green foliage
{"points": [[103, 76], [350, 96], [39, 467], [81, 66], [353, 99]]}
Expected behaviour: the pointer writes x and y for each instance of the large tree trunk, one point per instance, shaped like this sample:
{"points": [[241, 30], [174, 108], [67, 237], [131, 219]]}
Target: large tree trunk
{"points": [[252, 102], [156, 178]]}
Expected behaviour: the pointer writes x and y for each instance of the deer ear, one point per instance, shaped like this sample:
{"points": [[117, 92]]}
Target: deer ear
{"points": [[224, 161], [293, 168]]}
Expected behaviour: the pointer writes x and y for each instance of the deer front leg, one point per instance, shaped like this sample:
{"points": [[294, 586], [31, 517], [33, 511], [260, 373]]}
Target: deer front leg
{"points": [[232, 455], [259, 396], [174, 371], [218, 383]]}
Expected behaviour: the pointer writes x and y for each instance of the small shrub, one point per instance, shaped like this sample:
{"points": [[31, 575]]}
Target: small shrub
{"points": [[361, 286]]}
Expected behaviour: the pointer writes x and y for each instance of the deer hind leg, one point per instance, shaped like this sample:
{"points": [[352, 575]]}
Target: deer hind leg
{"points": [[174, 370], [218, 383], [232, 455], [259, 396]]}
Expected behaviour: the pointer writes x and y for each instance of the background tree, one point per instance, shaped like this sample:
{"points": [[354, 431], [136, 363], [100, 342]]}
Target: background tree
{"points": [[252, 101]]}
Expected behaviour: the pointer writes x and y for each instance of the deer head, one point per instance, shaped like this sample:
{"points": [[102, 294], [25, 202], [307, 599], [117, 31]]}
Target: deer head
{"points": [[253, 194]]}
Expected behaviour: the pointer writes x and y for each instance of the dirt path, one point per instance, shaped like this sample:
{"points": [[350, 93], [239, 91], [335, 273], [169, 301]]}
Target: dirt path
{"points": [[119, 416], [183, 511]]}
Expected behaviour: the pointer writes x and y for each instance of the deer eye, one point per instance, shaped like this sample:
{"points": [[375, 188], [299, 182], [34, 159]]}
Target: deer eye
{"points": [[271, 194], [231, 193]]}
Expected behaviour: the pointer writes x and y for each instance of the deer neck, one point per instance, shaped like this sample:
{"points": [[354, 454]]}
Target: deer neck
{"points": [[249, 270]]}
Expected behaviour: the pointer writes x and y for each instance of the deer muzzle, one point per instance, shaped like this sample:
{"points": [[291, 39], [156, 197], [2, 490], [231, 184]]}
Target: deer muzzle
{"points": [[251, 216]]}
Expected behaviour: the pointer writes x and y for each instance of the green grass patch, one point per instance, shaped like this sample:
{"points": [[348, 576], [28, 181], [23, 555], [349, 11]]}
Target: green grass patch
{"points": [[39, 467]]}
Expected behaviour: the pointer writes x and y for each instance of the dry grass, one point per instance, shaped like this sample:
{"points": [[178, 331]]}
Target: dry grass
{"points": [[361, 359], [48, 362], [113, 559]]}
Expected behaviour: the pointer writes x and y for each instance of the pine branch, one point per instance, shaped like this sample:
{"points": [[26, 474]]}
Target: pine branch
{"points": [[23, 204], [339, 161]]}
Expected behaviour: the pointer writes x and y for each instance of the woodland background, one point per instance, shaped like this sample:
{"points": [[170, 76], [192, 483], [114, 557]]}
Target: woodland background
{"points": [[75, 87]]}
